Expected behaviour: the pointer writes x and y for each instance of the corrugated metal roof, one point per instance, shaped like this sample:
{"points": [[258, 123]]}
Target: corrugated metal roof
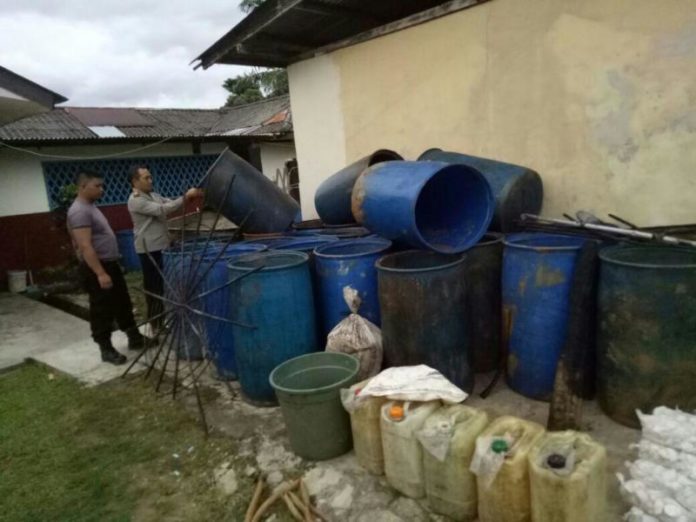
{"points": [[281, 32], [266, 118]]}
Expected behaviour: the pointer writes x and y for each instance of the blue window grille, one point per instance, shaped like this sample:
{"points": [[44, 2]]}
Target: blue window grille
{"points": [[172, 175]]}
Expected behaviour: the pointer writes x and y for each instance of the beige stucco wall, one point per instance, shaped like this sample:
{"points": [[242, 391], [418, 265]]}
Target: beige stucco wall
{"points": [[598, 96]]}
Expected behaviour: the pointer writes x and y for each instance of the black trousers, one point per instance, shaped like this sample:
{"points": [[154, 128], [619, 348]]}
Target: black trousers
{"points": [[152, 282], [107, 306]]}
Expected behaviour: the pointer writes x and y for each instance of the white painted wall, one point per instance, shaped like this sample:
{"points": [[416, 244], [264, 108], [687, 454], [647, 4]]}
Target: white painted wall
{"points": [[22, 187], [315, 94], [274, 156]]}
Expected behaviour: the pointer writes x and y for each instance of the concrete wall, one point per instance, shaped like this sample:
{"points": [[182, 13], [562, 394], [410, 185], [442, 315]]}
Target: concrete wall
{"points": [[317, 117], [597, 96]]}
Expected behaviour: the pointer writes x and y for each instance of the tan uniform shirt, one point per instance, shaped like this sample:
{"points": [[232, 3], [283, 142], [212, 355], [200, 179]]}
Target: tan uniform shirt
{"points": [[149, 214]]}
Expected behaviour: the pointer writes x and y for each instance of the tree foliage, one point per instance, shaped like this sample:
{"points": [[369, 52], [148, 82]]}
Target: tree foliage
{"points": [[246, 6], [256, 85]]}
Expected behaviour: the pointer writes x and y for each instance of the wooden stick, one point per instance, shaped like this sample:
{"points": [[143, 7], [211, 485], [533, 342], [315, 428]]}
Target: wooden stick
{"points": [[315, 511], [293, 509], [254, 500], [279, 492], [305, 500], [300, 505]]}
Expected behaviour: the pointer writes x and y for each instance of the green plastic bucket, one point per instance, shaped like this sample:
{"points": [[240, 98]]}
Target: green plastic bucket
{"points": [[308, 390]]}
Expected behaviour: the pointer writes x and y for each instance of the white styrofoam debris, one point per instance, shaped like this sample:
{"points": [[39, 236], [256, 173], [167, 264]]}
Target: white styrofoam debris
{"points": [[638, 515], [670, 481], [685, 463], [673, 428], [654, 502], [662, 482]]}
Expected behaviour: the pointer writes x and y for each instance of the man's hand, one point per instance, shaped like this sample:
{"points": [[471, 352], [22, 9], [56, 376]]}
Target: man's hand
{"points": [[105, 281], [193, 193]]}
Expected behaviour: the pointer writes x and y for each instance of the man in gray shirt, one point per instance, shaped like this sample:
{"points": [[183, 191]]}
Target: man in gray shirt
{"points": [[97, 249], [149, 213]]}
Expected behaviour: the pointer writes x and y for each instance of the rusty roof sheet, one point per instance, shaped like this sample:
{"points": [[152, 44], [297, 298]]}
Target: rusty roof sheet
{"points": [[269, 118], [281, 32]]}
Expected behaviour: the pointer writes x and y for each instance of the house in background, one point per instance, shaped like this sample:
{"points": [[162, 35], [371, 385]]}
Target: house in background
{"points": [[20, 97], [42, 153], [596, 96]]}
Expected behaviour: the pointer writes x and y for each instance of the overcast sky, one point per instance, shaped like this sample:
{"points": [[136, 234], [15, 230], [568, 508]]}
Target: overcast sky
{"points": [[119, 52]]}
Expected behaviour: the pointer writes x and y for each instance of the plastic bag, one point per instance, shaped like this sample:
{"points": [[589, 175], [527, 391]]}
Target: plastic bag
{"points": [[436, 439], [486, 462], [414, 383], [358, 337]]}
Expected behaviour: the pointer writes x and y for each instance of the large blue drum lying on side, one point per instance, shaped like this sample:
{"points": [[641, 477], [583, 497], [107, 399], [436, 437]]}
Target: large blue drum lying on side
{"points": [[277, 301], [425, 204], [332, 198], [517, 190], [253, 201], [537, 277], [217, 302]]}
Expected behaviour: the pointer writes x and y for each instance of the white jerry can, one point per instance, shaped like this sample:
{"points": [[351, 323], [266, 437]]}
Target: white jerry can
{"points": [[403, 455], [449, 440], [367, 434]]}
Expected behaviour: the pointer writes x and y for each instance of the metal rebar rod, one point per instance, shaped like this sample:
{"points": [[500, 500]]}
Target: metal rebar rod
{"points": [[167, 339], [189, 276], [137, 358], [639, 234], [228, 283], [217, 258]]}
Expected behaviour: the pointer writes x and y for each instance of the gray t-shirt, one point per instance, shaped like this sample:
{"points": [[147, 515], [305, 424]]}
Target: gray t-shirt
{"points": [[86, 215]]}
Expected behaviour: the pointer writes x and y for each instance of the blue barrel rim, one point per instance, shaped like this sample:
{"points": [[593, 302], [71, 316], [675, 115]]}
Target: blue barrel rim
{"points": [[300, 258], [516, 241], [495, 237], [337, 385], [426, 151], [378, 246], [476, 236], [233, 251], [302, 243], [606, 253], [441, 168], [458, 259]]}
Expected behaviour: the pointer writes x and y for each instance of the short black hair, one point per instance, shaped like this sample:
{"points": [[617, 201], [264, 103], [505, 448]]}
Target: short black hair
{"points": [[85, 175], [134, 172]]}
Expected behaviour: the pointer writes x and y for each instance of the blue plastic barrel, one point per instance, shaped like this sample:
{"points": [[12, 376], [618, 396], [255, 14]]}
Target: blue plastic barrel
{"points": [[126, 247], [425, 204], [246, 197], [219, 333], [179, 266], [537, 277], [277, 300], [422, 297], [332, 198], [517, 189], [348, 263]]}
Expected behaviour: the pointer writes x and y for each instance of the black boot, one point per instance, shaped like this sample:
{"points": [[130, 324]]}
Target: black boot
{"points": [[110, 355], [136, 340]]}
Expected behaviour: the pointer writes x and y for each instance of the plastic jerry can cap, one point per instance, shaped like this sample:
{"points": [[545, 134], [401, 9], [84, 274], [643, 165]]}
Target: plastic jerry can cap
{"points": [[556, 461], [499, 446], [396, 412]]}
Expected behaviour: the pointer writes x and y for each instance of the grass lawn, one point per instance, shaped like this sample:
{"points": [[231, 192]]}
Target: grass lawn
{"points": [[70, 453]]}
